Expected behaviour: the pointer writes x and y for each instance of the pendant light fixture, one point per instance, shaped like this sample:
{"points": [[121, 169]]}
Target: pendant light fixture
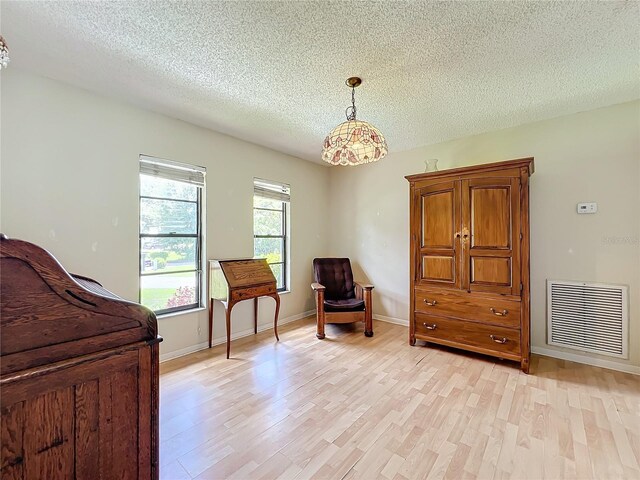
{"points": [[4, 53], [354, 142]]}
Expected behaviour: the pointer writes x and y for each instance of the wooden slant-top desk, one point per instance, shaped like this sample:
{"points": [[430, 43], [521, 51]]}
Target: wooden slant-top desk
{"points": [[231, 281]]}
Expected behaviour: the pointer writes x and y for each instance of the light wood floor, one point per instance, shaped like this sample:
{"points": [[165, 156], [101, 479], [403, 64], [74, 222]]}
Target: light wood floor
{"points": [[357, 407]]}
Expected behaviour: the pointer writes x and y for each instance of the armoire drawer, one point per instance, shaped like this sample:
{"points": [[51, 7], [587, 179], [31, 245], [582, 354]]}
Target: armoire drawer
{"points": [[472, 336], [468, 306]]}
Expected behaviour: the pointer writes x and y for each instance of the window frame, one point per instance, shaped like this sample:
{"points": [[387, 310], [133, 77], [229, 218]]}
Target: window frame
{"points": [[285, 240], [279, 192], [198, 235]]}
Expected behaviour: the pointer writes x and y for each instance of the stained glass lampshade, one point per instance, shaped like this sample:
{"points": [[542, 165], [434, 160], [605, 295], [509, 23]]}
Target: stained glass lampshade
{"points": [[4, 53], [354, 142]]}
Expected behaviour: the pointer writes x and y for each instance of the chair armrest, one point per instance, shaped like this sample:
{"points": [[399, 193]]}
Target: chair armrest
{"points": [[364, 292], [365, 286], [318, 287], [361, 288]]}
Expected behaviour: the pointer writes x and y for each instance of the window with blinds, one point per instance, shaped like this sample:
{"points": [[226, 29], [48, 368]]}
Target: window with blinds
{"points": [[171, 234], [271, 203]]}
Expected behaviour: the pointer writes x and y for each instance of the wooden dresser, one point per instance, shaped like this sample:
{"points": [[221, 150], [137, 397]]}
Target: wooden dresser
{"points": [[79, 375], [469, 259]]}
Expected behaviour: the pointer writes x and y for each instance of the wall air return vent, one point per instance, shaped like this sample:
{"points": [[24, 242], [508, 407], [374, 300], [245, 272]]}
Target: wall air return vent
{"points": [[589, 317]]}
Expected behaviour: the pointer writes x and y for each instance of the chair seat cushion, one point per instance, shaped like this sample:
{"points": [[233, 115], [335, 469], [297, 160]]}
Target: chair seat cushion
{"points": [[348, 305]]}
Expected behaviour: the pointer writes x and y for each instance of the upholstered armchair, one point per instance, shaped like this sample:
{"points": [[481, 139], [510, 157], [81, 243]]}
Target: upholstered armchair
{"points": [[338, 298]]}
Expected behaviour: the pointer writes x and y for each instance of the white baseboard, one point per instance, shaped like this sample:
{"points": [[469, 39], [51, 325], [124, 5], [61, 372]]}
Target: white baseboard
{"points": [[587, 360], [234, 336], [395, 321], [547, 352], [182, 351], [573, 357]]}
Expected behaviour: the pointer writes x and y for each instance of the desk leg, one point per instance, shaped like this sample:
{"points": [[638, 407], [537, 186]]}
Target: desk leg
{"points": [[228, 318], [211, 323], [255, 315], [276, 297]]}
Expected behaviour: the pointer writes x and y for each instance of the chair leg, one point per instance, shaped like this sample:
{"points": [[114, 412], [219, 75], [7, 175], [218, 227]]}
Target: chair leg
{"points": [[320, 327], [368, 324], [368, 313], [320, 313]]}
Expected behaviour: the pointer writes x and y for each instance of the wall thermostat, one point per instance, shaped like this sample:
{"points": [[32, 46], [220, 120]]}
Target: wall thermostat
{"points": [[587, 207]]}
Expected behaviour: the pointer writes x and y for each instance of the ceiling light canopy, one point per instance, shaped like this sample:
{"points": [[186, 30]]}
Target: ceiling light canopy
{"points": [[354, 142]]}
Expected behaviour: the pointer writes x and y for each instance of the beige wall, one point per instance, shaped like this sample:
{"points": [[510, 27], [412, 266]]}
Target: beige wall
{"points": [[590, 156], [69, 182]]}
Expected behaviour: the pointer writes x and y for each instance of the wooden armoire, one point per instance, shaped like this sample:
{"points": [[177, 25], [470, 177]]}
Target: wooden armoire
{"points": [[469, 267]]}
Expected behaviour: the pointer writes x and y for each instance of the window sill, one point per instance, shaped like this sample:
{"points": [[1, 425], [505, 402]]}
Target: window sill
{"points": [[182, 312], [284, 292]]}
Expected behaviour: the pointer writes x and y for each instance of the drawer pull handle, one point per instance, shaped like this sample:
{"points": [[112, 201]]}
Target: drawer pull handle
{"points": [[431, 304], [498, 339], [432, 326], [500, 314]]}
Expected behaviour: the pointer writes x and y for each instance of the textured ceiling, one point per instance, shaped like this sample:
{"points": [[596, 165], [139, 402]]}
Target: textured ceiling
{"points": [[273, 72]]}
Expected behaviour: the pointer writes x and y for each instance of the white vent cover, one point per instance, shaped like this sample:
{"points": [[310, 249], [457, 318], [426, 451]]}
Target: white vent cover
{"points": [[590, 317]]}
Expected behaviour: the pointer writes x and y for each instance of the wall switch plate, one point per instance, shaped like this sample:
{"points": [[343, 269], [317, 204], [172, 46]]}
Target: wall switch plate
{"points": [[587, 207]]}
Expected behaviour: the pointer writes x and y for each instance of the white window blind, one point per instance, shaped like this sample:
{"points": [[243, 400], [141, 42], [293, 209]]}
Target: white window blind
{"points": [[180, 172], [272, 190]]}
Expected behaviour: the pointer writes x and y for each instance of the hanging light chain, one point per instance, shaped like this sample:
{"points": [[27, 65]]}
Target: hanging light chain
{"points": [[351, 111]]}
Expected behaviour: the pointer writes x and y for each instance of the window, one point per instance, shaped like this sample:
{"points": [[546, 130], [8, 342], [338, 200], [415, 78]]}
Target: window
{"points": [[171, 199], [271, 227]]}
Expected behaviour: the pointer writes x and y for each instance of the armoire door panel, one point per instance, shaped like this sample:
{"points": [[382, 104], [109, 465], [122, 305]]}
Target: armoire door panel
{"points": [[491, 271], [491, 227], [438, 268], [490, 217], [437, 211], [438, 219]]}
